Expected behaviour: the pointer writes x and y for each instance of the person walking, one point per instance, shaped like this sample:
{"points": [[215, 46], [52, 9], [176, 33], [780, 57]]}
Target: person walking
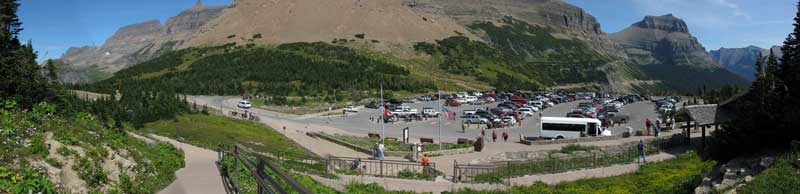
{"points": [[463, 128], [647, 124], [505, 136], [483, 132], [494, 136], [640, 147]]}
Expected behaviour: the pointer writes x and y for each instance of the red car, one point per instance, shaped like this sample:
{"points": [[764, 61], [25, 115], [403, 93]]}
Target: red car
{"points": [[452, 102]]}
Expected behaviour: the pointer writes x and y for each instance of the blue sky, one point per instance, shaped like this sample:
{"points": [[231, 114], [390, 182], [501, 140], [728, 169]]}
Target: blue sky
{"points": [[56, 25], [715, 23]]}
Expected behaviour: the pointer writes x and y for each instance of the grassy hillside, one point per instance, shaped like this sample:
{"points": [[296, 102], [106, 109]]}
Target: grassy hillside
{"points": [[517, 55], [82, 153], [316, 69]]}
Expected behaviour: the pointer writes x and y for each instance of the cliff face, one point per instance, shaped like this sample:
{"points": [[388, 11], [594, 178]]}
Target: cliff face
{"points": [[140, 42], [665, 50], [563, 17]]}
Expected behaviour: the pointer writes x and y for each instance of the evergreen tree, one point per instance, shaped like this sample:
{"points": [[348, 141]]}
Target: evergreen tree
{"points": [[52, 71], [22, 79]]}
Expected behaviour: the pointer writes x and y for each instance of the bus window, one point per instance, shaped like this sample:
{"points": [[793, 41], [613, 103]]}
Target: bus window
{"points": [[563, 127], [593, 129]]}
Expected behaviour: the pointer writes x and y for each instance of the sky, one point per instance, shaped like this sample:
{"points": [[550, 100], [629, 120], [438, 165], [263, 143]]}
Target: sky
{"points": [[55, 25], [715, 23]]}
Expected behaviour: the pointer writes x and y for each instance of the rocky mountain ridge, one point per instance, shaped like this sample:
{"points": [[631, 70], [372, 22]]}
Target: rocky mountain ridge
{"points": [[142, 41], [741, 60], [635, 55], [665, 49]]}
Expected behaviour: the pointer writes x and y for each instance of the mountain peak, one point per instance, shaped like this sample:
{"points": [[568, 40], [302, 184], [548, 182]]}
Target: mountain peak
{"points": [[667, 22]]}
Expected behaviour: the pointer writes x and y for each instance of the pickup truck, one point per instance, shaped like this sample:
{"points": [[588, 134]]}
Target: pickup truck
{"points": [[404, 111], [429, 112], [616, 117]]}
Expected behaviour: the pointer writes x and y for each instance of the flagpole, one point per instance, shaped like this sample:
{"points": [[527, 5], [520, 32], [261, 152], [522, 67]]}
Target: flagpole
{"points": [[440, 117], [383, 108]]}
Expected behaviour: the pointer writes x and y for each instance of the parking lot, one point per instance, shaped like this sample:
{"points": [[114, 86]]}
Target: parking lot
{"points": [[451, 129]]}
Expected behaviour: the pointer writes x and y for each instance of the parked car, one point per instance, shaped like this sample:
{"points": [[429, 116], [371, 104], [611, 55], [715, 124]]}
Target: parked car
{"points": [[526, 111], [615, 117], [452, 102], [244, 104], [430, 112], [486, 114], [373, 105], [350, 109], [469, 112], [510, 120], [404, 111], [475, 119]]}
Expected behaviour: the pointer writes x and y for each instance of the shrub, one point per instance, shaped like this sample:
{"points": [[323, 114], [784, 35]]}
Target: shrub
{"points": [[568, 149], [360, 36], [24, 181], [64, 151], [53, 162], [782, 177]]}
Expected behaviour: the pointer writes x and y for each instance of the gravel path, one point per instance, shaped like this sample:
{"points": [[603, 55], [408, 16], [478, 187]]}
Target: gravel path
{"points": [[200, 175]]}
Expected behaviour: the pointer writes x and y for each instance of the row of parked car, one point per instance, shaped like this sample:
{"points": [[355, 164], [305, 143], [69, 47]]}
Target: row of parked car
{"points": [[607, 108], [667, 104]]}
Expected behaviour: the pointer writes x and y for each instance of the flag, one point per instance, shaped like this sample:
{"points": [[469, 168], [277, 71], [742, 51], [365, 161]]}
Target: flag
{"points": [[448, 114]]}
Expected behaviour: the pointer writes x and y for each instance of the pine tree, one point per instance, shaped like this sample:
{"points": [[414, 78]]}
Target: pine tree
{"points": [[52, 71]]}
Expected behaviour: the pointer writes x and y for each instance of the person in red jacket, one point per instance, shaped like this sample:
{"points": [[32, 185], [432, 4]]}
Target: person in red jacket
{"points": [[505, 136], [494, 136], [648, 124]]}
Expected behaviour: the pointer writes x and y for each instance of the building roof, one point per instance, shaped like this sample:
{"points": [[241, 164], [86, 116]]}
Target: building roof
{"points": [[708, 114]]}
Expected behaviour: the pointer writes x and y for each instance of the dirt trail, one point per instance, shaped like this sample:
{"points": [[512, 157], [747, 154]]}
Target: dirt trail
{"points": [[200, 174]]}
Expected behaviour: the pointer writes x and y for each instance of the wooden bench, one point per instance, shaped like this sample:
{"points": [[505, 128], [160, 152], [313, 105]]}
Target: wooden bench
{"points": [[374, 135], [426, 140], [391, 139], [464, 141]]}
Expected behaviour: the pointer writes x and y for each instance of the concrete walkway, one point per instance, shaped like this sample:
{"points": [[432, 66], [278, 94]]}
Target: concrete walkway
{"points": [[200, 175]]}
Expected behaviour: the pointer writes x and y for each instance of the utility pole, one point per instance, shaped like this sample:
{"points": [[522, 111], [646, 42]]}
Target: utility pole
{"points": [[440, 117], [383, 123]]}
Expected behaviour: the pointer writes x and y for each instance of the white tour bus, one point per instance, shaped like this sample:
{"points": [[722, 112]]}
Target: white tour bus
{"points": [[562, 127]]}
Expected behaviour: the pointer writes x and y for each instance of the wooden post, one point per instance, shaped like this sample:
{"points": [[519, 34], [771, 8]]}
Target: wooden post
{"points": [[236, 168], [259, 171], [381, 165], [703, 139]]}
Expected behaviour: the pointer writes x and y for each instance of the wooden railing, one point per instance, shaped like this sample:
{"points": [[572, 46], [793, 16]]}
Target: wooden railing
{"points": [[257, 166]]}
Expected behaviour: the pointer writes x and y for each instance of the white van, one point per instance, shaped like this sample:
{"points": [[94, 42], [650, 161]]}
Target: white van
{"points": [[563, 127], [471, 98]]}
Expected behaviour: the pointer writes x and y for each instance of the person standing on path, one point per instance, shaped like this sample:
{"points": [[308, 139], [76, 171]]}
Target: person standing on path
{"points": [[657, 127], [483, 132], [640, 147], [494, 136], [426, 162], [505, 136], [463, 128], [647, 124]]}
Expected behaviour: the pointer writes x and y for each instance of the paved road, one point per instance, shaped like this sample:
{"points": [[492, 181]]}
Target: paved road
{"points": [[359, 123], [200, 174]]}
